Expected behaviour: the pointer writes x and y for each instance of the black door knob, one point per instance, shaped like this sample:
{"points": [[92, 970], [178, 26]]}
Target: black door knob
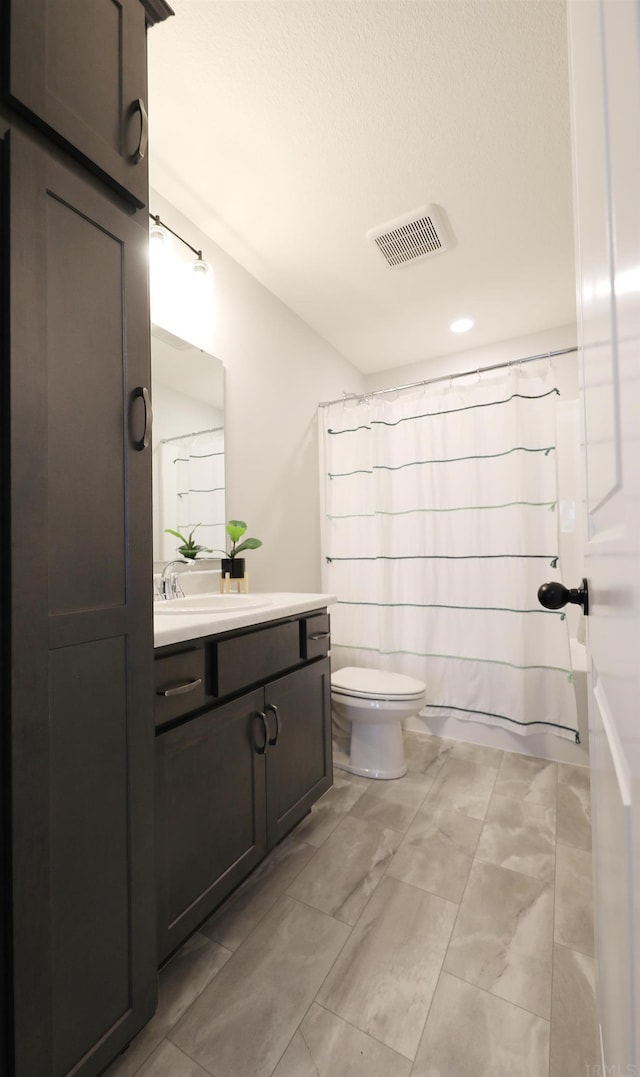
{"points": [[554, 595]]}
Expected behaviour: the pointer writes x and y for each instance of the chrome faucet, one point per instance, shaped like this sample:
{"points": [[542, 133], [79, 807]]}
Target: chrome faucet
{"points": [[170, 584]]}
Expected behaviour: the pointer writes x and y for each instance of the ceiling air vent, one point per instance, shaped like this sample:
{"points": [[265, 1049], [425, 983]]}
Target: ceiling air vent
{"points": [[410, 238]]}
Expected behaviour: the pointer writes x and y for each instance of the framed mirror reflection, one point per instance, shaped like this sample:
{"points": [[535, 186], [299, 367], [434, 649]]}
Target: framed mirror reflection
{"points": [[188, 445]]}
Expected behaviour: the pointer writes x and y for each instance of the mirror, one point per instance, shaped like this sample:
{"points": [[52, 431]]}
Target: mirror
{"points": [[188, 444]]}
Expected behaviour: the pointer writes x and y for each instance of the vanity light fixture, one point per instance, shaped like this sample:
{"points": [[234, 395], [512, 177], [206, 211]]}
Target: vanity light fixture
{"points": [[199, 267], [157, 234], [462, 325]]}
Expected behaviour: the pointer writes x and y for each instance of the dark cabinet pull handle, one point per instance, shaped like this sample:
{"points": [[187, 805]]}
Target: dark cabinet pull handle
{"points": [[180, 689], [272, 707], [139, 153], [320, 635], [261, 748], [554, 595], [143, 392]]}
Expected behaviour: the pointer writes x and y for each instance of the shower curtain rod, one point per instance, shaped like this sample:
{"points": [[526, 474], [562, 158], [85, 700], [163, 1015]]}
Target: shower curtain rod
{"points": [[193, 434], [445, 377]]}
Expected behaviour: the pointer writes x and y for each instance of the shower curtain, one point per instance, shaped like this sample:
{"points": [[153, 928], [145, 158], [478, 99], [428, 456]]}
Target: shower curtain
{"points": [[192, 489], [439, 525]]}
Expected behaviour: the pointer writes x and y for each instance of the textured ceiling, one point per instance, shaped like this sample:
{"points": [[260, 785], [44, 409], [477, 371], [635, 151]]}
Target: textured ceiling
{"points": [[287, 130]]}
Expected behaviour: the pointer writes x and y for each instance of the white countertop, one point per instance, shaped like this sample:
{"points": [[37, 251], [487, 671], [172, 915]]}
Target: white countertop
{"points": [[177, 627]]}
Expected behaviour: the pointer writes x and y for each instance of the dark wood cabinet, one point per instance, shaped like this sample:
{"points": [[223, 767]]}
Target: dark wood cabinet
{"points": [[78, 68], [210, 783], [299, 767], [232, 781], [82, 936], [77, 939]]}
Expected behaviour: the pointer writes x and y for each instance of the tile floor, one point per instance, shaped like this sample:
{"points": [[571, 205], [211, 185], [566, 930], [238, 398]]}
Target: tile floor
{"points": [[439, 925]]}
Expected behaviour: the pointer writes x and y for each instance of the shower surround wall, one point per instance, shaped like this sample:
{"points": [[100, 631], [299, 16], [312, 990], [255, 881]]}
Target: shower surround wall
{"points": [[570, 521]]}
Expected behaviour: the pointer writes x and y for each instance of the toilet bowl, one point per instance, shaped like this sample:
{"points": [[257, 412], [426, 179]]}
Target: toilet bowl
{"points": [[370, 705]]}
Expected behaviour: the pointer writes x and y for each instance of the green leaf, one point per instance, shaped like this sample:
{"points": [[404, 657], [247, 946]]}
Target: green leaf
{"points": [[170, 531], [235, 529], [248, 544]]}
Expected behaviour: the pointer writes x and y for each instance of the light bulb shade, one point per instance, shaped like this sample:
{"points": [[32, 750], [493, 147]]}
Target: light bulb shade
{"points": [[200, 267], [155, 232]]}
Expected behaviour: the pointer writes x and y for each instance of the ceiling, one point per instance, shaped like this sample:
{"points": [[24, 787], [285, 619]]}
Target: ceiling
{"points": [[287, 129]]}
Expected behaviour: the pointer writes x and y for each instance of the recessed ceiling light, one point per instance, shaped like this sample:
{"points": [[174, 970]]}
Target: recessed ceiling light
{"points": [[462, 325]]}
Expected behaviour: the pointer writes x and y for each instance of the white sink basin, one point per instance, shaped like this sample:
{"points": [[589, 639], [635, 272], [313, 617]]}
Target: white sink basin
{"points": [[215, 603]]}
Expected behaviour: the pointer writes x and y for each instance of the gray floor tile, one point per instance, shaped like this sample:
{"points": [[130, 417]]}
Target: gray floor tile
{"points": [[519, 836], [523, 777], [241, 1024], [463, 787], [574, 806], [168, 1061], [331, 808], [573, 1014], [384, 979], [437, 852], [425, 754], [470, 1033], [326, 1046], [238, 1014], [347, 868], [503, 937], [574, 899], [393, 803], [180, 982], [231, 924], [477, 753]]}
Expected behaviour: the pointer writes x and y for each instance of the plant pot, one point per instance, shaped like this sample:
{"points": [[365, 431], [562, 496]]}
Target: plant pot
{"points": [[233, 567]]}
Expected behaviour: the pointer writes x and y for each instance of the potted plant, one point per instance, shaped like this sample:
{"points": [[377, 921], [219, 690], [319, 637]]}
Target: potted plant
{"points": [[189, 549], [232, 565]]}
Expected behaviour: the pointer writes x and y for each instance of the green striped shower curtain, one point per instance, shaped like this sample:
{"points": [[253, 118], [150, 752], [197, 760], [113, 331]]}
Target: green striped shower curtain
{"points": [[439, 525]]}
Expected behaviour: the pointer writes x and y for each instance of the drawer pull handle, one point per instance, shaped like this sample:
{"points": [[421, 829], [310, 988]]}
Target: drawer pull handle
{"points": [[180, 689], [261, 748], [272, 707], [320, 635]]}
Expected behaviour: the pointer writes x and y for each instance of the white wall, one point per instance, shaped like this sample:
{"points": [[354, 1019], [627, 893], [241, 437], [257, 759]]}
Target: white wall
{"points": [[277, 370]]}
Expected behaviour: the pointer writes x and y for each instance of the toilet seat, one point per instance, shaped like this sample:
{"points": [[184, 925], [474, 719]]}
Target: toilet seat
{"points": [[375, 684]]}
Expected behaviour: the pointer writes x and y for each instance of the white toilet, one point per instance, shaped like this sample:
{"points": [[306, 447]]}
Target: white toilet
{"points": [[370, 705]]}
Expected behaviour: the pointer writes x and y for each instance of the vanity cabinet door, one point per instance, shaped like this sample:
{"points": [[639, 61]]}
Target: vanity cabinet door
{"points": [[78, 69], [299, 762], [78, 537], [211, 831]]}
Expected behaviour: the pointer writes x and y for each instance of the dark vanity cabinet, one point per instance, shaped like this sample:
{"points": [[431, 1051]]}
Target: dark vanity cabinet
{"points": [[78, 69], [78, 932], [243, 749]]}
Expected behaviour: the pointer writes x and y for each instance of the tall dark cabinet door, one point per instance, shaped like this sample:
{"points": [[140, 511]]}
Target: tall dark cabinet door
{"points": [[81, 620], [299, 763], [79, 67]]}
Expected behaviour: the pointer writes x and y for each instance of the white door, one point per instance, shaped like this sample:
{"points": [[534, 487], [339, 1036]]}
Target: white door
{"points": [[604, 50]]}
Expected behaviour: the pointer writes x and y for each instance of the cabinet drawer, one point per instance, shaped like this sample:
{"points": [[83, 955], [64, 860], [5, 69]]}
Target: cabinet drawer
{"points": [[315, 638], [179, 684], [254, 657]]}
